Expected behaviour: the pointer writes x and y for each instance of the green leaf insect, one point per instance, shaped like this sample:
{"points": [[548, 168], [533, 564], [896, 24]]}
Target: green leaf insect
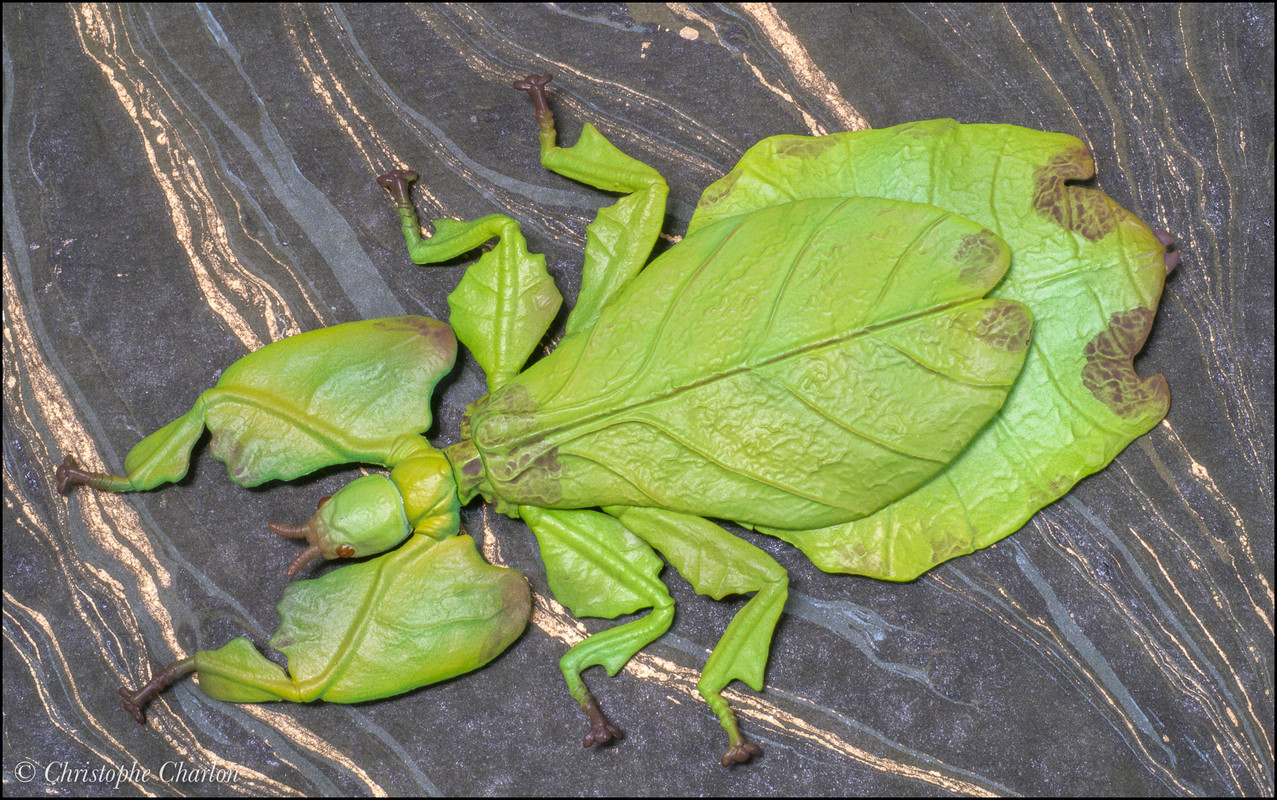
{"points": [[888, 347]]}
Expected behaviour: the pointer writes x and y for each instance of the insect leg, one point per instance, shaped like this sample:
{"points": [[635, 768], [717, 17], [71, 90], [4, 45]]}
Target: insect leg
{"points": [[292, 407], [420, 614], [718, 564], [506, 300], [621, 237], [162, 457], [597, 568]]}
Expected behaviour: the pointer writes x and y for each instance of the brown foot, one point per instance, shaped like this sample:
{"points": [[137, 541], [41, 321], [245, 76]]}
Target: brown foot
{"points": [[740, 753], [69, 474], [535, 85], [1171, 259], [135, 701], [601, 731], [399, 183]]}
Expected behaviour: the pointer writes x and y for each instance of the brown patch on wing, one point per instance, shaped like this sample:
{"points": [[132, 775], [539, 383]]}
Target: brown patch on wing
{"points": [[1084, 211], [535, 483], [805, 147], [1006, 326], [1109, 373], [520, 465], [500, 419], [720, 189], [977, 254]]}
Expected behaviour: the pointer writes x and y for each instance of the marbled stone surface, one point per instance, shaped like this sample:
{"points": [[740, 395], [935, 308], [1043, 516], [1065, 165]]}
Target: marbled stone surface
{"points": [[184, 184]]}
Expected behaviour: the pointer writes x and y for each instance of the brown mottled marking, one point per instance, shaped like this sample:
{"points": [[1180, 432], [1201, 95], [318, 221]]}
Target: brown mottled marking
{"points": [[538, 483], [444, 341], [1084, 211], [227, 446], [976, 253], [1170, 258], [719, 190], [1006, 326], [503, 418], [1109, 373], [427, 326], [806, 147]]}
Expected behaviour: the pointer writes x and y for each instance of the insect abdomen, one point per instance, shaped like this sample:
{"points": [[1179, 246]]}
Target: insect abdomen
{"points": [[792, 380]]}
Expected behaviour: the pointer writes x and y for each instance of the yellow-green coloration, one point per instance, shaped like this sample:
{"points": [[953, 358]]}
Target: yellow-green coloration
{"points": [[424, 613], [330, 396], [888, 347], [421, 613], [429, 491], [745, 395], [367, 516], [1090, 272]]}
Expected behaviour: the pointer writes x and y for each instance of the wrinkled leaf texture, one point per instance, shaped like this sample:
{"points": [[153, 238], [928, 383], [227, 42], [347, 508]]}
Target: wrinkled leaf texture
{"points": [[798, 366], [331, 396], [1090, 272], [421, 614]]}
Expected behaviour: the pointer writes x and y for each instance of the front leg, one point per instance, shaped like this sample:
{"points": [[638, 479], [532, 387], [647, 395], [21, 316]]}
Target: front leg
{"points": [[621, 238], [286, 410], [426, 612]]}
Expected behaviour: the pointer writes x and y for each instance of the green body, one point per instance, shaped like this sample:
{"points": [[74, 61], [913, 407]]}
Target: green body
{"points": [[1090, 271], [886, 347], [804, 381]]}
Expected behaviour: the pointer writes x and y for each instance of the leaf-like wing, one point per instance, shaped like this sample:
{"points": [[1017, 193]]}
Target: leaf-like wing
{"points": [[1090, 272], [801, 365]]}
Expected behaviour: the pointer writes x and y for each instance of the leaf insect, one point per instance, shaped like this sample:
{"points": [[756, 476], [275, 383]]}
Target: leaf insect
{"points": [[887, 347]]}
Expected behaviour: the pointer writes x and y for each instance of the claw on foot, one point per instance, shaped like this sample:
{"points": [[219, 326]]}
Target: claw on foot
{"points": [[69, 474], [535, 85], [399, 183], [739, 754], [135, 702], [601, 731], [1171, 259]]}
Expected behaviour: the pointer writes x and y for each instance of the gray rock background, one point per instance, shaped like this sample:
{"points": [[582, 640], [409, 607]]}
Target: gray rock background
{"points": [[183, 184]]}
